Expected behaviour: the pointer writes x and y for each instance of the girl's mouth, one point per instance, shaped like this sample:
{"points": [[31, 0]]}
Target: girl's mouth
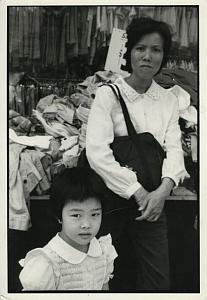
{"points": [[85, 235]]}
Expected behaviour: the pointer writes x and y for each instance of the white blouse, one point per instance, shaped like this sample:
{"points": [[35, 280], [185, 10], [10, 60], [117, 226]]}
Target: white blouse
{"points": [[156, 111], [59, 266]]}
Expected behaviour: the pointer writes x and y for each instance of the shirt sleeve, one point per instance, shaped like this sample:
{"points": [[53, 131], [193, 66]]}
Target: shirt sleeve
{"points": [[37, 273], [100, 134], [173, 165], [111, 254]]}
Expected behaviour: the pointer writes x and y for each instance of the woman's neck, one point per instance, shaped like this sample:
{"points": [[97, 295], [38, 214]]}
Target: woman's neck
{"points": [[138, 84]]}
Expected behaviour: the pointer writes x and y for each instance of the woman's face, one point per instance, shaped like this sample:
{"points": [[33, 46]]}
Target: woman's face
{"points": [[147, 56]]}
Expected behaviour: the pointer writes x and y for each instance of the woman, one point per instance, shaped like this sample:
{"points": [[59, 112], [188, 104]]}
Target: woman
{"points": [[152, 109]]}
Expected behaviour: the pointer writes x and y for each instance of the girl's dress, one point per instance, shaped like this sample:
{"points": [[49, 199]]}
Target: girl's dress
{"points": [[58, 266]]}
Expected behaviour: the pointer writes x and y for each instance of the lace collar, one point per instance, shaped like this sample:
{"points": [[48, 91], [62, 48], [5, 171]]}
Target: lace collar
{"points": [[132, 95]]}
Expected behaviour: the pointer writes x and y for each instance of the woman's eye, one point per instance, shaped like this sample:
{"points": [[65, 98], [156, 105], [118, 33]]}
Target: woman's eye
{"points": [[157, 50], [140, 48]]}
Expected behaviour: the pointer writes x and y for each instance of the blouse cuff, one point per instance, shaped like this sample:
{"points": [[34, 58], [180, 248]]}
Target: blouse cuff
{"points": [[132, 189], [175, 179]]}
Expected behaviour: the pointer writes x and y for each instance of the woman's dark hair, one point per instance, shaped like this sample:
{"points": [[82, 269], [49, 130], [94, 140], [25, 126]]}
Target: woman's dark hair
{"points": [[140, 27], [75, 184]]}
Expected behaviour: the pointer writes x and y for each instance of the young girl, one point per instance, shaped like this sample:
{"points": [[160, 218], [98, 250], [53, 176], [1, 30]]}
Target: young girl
{"points": [[74, 259]]}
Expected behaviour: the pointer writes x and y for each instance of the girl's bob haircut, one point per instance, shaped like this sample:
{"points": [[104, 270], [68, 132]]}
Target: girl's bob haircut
{"points": [[75, 184]]}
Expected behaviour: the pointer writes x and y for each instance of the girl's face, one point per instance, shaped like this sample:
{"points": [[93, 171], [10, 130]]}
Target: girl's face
{"points": [[81, 222], [147, 56]]}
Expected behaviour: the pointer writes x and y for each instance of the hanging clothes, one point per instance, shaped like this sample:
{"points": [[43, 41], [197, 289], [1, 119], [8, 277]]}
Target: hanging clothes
{"points": [[132, 13], [147, 11], [31, 34], [26, 32], [83, 30], [158, 13], [55, 35], [98, 18], [110, 13], [102, 36], [36, 51], [104, 21], [72, 41], [119, 17], [193, 28], [184, 42], [21, 33], [62, 56], [90, 17], [172, 21], [15, 37]]}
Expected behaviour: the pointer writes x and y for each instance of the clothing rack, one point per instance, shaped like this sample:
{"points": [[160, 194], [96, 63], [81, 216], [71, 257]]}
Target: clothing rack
{"points": [[52, 37], [30, 90]]}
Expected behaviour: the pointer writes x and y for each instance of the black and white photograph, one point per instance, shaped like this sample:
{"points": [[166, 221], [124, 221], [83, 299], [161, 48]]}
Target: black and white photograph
{"points": [[103, 138]]}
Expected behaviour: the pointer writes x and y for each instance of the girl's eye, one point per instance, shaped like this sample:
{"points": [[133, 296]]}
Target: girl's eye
{"points": [[76, 216], [96, 214]]}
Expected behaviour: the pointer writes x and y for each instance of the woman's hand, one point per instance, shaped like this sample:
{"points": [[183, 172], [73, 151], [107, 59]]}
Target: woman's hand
{"points": [[155, 200], [155, 203], [140, 198]]}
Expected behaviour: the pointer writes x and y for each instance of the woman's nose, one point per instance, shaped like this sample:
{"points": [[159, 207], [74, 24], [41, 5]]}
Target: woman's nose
{"points": [[147, 54]]}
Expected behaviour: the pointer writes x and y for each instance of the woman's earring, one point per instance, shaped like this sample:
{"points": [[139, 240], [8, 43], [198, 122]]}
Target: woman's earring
{"points": [[60, 222]]}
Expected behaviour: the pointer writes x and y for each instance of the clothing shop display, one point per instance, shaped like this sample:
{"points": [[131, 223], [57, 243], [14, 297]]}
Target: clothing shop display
{"points": [[56, 57], [50, 36]]}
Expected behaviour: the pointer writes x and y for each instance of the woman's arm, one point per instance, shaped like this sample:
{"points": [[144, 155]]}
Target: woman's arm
{"points": [[173, 170], [100, 134]]}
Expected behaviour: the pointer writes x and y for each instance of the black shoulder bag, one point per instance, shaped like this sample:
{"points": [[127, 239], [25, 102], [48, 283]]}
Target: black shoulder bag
{"points": [[139, 151]]}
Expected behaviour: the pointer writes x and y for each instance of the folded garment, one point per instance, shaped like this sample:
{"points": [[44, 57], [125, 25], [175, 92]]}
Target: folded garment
{"points": [[82, 113], [44, 102], [20, 124], [70, 157], [32, 141], [78, 98], [66, 113], [68, 143], [50, 109], [55, 128]]}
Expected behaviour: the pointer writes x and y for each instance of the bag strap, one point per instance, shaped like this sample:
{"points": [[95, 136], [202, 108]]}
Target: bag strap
{"points": [[130, 127]]}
